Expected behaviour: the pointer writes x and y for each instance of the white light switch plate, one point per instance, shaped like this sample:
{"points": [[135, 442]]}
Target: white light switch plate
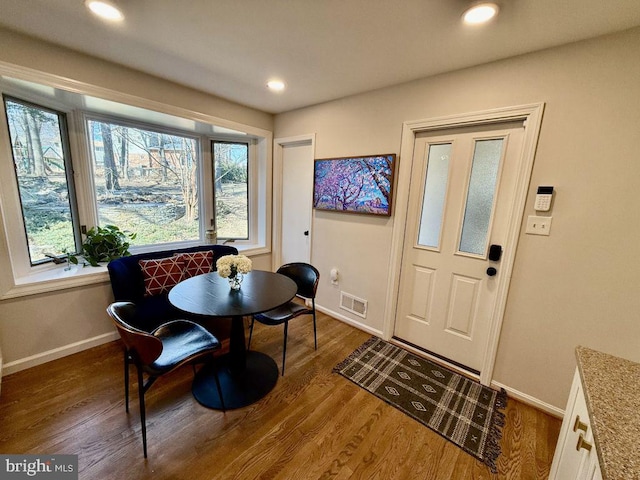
{"points": [[538, 225]]}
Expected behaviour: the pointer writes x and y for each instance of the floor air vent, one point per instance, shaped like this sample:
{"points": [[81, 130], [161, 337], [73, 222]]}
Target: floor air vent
{"points": [[353, 304]]}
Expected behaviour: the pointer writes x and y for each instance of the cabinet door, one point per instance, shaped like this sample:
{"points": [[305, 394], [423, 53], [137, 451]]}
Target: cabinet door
{"points": [[592, 468], [569, 461]]}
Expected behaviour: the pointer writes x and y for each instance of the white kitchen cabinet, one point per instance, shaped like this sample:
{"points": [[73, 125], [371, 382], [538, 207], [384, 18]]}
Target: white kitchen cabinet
{"points": [[575, 457], [592, 469]]}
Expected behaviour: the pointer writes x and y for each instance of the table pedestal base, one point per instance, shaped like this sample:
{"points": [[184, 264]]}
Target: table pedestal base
{"points": [[239, 390]]}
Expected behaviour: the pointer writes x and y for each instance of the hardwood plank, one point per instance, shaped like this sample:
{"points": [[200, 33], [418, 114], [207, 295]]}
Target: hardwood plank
{"points": [[314, 425], [546, 438]]}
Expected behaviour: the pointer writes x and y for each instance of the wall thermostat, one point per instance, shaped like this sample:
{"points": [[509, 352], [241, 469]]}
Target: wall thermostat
{"points": [[543, 199]]}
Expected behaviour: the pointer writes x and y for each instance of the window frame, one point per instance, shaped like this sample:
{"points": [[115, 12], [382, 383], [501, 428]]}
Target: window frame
{"points": [[86, 116], [63, 125], [22, 279], [252, 187], [13, 224]]}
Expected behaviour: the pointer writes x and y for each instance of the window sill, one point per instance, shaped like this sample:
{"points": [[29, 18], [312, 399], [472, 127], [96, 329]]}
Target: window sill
{"points": [[250, 250], [56, 279]]}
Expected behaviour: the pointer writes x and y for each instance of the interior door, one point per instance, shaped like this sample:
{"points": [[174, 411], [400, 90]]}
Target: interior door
{"points": [[461, 193], [297, 193]]}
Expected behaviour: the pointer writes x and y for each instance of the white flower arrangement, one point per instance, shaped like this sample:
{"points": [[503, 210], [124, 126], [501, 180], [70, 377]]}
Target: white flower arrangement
{"points": [[230, 265]]}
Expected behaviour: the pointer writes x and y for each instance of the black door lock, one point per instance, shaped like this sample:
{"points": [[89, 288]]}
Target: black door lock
{"points": [[495, 252]]}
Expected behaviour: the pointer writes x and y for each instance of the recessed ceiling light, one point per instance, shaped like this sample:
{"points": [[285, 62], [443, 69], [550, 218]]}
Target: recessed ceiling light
{"points": [[275, 85], [105, 9], [480, 13]]}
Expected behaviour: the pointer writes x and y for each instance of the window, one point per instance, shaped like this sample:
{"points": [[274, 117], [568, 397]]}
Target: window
{"points": [[42, 165], [70, 160], [145, 181], [481, 193], [435, 192], [231, 189]]}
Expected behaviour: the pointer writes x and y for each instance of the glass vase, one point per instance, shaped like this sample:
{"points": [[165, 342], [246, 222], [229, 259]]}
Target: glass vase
{"points": [[235, 281]]}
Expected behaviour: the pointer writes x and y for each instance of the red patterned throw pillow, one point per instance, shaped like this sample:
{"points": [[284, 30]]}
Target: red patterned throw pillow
{"points": [[196, 263], [161, 274]]}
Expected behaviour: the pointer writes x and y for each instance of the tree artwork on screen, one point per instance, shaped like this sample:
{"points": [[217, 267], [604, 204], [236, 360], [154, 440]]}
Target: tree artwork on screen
{"points": [[356, 185]]}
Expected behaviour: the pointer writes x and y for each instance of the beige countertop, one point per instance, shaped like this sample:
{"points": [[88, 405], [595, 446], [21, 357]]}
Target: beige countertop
{"points": [[612, 390]]}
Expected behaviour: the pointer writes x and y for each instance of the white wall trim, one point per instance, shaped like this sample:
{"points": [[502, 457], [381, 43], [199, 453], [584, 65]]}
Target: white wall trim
{"points": [[511, 392], [56, 279], [56, 353], [531, 115], [278, 153], [83, 88], [350, 321], [531, 401]]}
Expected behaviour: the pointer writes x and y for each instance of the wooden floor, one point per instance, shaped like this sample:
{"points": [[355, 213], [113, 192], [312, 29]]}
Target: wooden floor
{"points": [[314, 425]]}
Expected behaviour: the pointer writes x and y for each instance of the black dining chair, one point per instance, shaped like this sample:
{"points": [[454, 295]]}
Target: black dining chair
{"points": [[306, 277], [169, 346]]}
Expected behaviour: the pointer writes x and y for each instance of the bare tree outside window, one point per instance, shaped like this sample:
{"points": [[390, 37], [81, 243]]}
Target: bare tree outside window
{"points": [[139, 176], [146, 182], [231, 176], [39, 144]]}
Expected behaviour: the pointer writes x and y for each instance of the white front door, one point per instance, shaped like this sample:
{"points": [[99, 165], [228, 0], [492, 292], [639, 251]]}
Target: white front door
{"points": [[297, 196], [461, 197]]}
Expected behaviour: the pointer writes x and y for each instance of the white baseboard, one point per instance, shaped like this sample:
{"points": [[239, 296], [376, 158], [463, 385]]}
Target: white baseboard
{"points": [[350, 321], [532, 401], [512, 392], [44, 357]]}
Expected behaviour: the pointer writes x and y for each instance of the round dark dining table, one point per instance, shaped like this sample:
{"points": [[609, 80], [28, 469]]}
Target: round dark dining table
{"points": [[245, 376]]}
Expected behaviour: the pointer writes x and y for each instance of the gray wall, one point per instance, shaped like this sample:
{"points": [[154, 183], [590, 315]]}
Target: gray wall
{"points": [[578, 286], [44, 326]]}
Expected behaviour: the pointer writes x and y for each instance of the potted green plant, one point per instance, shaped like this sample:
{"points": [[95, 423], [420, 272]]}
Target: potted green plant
{"points": [[103, 244]]}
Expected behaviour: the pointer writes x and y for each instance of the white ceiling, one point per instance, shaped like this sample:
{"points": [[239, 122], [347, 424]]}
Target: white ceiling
{"points": [[322, 49]]}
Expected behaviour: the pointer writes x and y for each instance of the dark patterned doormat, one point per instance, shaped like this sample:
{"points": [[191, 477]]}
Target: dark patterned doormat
{"points": [[459, 409]]}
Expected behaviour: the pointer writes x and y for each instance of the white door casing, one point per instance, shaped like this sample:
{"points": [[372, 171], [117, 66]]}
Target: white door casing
{"points": [[293, 197], [531, 116]]}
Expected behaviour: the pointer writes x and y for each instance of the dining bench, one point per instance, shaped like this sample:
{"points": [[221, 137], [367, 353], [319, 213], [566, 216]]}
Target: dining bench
{"points": [[131, 283]]}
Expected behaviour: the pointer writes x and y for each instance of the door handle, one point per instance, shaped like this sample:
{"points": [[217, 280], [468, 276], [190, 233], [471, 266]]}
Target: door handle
{"points": [[491, 271], [582, 443], [306, 233], [578, 425], [495, 253]]}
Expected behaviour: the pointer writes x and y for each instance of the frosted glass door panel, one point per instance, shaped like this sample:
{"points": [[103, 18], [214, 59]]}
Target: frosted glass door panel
{"points": [[435, 190], [480, 196]]}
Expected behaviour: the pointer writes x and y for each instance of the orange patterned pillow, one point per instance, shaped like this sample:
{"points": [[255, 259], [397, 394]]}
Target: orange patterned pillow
{"points": [[161, 274], [196, 263]]}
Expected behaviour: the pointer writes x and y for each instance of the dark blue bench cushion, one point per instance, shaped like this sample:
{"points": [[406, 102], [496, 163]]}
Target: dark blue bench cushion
{"points": [[127, 283]]}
